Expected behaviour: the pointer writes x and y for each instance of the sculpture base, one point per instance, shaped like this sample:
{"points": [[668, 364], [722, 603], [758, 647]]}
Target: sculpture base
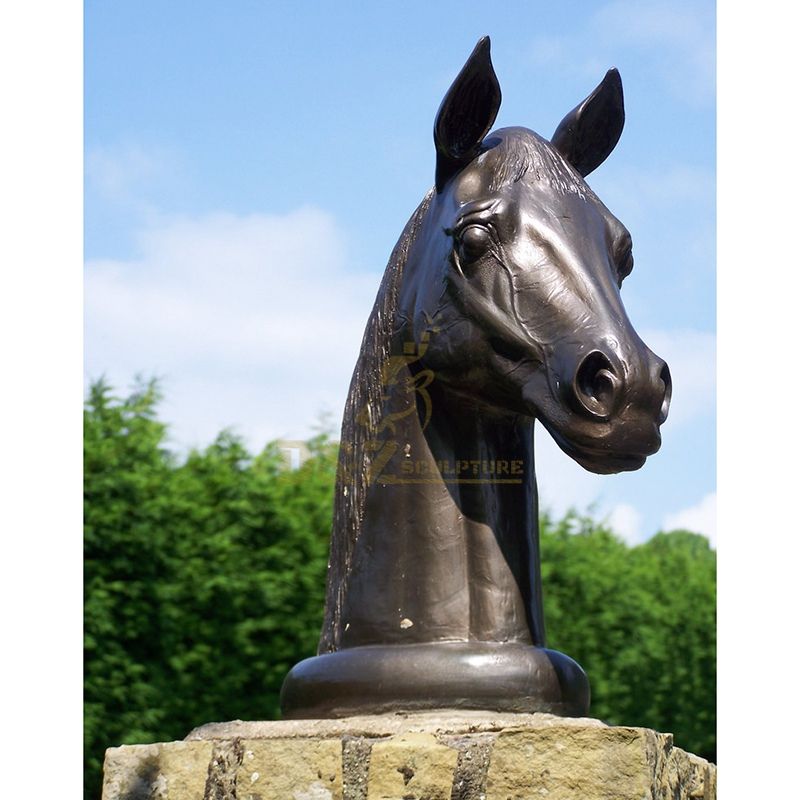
{"points": [[444, 754], [414, 677]]}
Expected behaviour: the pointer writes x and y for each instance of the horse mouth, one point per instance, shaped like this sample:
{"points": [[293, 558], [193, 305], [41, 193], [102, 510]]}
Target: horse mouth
{"points": [[601, 460]]}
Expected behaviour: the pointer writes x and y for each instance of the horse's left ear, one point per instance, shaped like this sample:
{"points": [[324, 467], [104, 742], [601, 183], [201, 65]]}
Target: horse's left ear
{"points": [[466, 114], [588, 134]]}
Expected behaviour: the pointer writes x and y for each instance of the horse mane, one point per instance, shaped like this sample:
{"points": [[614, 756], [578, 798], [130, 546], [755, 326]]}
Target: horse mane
{"points": [[362, 417], [511, 154]]}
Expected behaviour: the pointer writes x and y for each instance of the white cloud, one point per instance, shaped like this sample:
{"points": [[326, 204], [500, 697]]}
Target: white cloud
{"points": [[700, 518], [691, 356], [248, 318], [626, 522], [118, 172]]}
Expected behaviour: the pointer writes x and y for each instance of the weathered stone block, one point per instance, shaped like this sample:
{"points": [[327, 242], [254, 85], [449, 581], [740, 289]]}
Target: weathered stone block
{"points": [[592, 764], [290, 769], [411, 766], [170, 771]]}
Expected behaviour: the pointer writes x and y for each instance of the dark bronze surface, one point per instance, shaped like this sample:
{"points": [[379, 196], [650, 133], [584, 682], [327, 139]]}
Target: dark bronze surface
{"points": [[479, 675], [500, 305]]}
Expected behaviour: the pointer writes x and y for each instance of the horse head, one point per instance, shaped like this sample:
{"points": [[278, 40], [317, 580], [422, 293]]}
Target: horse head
{"points": [[521, 267], [500, 304]]}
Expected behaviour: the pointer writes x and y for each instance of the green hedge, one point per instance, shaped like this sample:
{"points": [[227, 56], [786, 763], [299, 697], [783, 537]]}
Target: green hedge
{"points": [[205, 577]]}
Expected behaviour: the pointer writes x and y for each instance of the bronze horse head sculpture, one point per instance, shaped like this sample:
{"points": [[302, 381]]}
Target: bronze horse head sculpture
{"points": [[500, 305]]}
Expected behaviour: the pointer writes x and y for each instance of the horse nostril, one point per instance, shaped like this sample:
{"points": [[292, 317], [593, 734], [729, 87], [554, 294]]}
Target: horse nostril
{"points": [[666, 379], [596, 385]]}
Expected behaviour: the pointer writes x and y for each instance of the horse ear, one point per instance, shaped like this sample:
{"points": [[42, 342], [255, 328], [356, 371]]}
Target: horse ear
{"points": [[588, 134], [466, 114]]}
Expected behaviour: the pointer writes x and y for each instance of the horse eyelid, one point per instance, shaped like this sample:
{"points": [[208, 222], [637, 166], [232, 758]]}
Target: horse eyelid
{"points": [[470, 222], [482, 215], [467, 222], [623, 267]]}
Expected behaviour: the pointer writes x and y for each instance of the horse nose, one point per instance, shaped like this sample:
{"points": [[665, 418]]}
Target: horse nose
{"points": [[666, 381], [598, 385]]}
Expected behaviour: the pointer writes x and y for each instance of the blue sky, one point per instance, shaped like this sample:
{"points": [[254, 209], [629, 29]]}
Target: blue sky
{"points": [[249, 167]]}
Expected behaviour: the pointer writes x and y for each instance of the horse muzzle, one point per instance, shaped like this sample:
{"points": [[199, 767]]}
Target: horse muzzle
{"points": [[604, 384], [608, 414]]}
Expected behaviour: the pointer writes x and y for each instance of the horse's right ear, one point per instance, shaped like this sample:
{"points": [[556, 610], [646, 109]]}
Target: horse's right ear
{"points": [[466, 114]]}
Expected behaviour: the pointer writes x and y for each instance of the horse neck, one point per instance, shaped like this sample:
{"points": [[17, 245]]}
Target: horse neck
{"points": [[448, 546], [486, 456]]}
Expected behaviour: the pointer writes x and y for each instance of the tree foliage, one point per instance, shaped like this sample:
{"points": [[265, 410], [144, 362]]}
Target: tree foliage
{"points": [[204, 580], [641, 621], [204, 584]]}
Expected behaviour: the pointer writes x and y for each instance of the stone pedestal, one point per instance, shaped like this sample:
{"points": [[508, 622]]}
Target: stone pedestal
{"points": [[456, 755]]}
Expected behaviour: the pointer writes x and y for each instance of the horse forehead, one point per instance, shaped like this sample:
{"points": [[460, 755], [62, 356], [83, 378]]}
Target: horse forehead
{"points": [[473, 184], [536, 198]]}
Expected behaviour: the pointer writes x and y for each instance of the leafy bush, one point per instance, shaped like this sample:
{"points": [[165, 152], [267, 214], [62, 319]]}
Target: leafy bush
{"points": [[641, 621]]}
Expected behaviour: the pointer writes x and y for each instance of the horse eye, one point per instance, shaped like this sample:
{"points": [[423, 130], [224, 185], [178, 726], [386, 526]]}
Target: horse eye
{"points": [[473, 242]]}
